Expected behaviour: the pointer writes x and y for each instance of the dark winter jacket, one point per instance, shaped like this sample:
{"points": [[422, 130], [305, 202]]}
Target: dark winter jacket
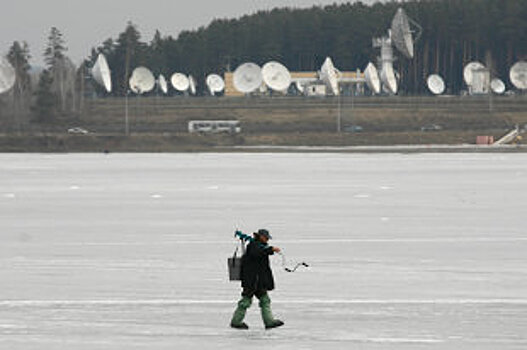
{"points": [[256, 271]]}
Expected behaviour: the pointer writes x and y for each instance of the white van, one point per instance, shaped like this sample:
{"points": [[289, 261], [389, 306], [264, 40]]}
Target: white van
{"points": [[214, 126]]}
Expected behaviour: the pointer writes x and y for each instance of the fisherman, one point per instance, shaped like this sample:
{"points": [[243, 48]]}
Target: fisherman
{"points": [[257, 280]]}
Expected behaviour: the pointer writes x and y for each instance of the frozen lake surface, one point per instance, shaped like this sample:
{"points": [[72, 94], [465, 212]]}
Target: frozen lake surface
{"points": [[129, 251]]}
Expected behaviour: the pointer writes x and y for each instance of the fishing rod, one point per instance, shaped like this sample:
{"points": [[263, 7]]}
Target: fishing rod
{"points": [[246, 238]]}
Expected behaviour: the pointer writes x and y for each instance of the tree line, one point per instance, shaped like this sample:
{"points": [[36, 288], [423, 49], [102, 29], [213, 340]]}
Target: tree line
{"points": [[455, 32]]}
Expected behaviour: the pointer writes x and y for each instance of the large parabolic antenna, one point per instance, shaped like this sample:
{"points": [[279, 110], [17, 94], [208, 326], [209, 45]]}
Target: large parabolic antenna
{"points": [[7, 75], [436, 84], [215, 84], [372, 78], [468, 72], [276, 76], [101, 73], [180, 82], [497, 86], [388, 78], [247, 78], [328, 74], [142, 80], [162, 83], [192, 84], [402, 34], [518, 75]]}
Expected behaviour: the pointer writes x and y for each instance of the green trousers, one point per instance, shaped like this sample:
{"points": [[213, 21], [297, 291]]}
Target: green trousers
{"points": [[246, 302]]}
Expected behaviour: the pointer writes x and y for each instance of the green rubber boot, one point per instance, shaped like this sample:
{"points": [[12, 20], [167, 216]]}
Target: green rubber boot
{"points": [[239, 314], [267, 314]]}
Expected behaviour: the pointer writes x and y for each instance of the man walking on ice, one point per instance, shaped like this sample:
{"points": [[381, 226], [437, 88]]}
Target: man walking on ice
{"points": [[257, 280]]}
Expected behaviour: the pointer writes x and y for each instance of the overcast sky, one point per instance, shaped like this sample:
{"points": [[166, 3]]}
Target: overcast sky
{"points": [[87, 23]]}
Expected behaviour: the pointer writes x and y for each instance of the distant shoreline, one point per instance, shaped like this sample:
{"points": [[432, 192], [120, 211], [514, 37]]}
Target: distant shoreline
{"points": [[279, 143]]}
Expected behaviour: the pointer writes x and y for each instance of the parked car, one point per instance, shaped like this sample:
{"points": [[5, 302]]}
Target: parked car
{"points": [[432, 127], [78, 131], [353, 128]]}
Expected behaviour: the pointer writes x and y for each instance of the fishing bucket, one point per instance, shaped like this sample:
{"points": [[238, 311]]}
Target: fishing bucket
{"points": [[235, 265]]}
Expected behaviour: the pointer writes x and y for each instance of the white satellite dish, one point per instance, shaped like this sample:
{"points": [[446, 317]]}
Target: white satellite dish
{"points": [[497, 86], [372, 78], [142, 80], [329, 75], [247, 78], [300, 86], [133, 86], [101, 73], [7, 75], [468, 72], [402, 35], [215, 84], [180, 82], [436, 84], [162, 83], [518, 75], [192, 84], [388, 78], [276, 76]]}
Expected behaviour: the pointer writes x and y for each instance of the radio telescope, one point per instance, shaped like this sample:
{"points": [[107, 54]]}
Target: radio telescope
{"points": [[162, 83], [497, 86], [7, 75], [276, 76], [372, 78], [101, 73], [180, 82], [436, 84], [142, 80], [402, 37], [215, 84], [192, 84], [402, 34], [247, 78], [388, 79], [518, 75], [329, 75], [468, 71]]}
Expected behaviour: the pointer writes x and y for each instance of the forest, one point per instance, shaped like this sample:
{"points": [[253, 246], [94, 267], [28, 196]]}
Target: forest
{"points": [[455, 32]]}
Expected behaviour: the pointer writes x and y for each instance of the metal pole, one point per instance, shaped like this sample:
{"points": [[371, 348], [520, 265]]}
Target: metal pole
{"points": [[126, 125], [339, 114]]}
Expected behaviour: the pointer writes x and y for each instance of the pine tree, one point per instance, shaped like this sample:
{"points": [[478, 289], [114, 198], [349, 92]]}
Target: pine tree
{"points": [[55, 49], [19, 57], [129, 53], [45, 108]]}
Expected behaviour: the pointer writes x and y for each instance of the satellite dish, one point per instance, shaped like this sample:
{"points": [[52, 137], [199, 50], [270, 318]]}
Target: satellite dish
{"points": [[497, 86], [436, 84], [142, 80], [328, 74], [518, 75], [162, 83], [300, 86], [372, 78], [7, 75], [192, 84], [133, 86], [247, 78], [180, 82], [276, 76], [468, 72], [388, 78], [402, 35], [101, 73], [215, 84]]}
